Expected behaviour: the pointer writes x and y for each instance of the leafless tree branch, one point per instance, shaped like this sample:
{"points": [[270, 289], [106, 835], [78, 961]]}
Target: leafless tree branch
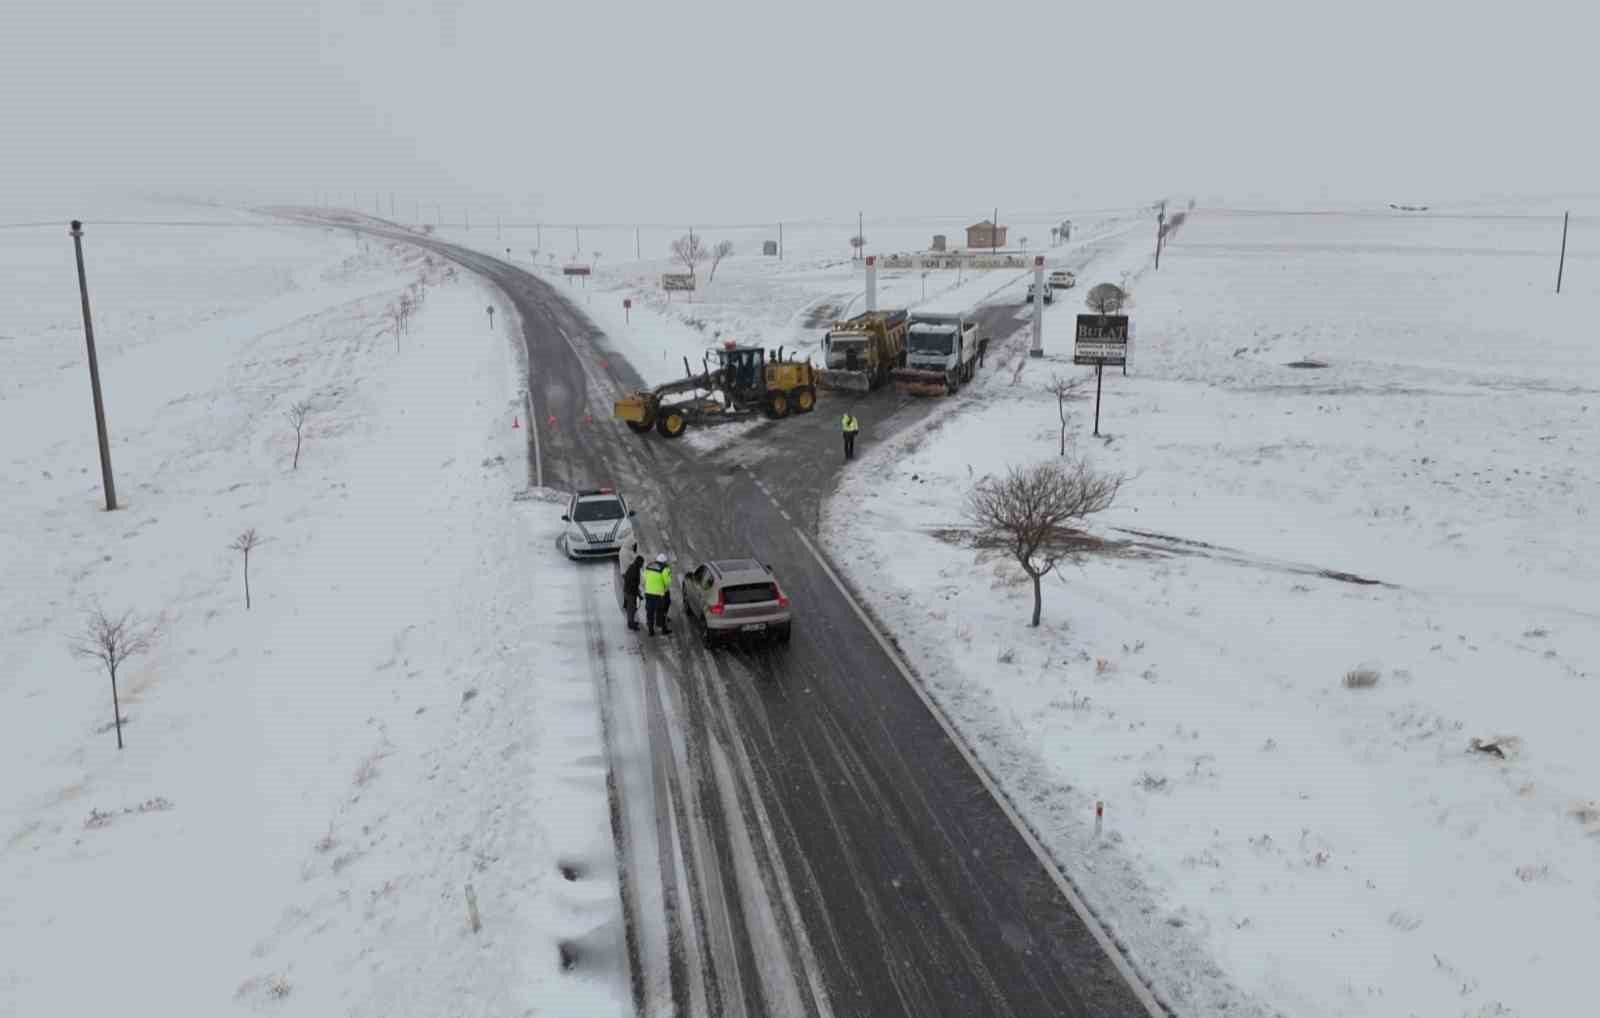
{"points": [[689, 251], [297, 415], [1028, 514], [723, 249], [1065, 389], [1106, 298], [246, 543], [111, 642]]}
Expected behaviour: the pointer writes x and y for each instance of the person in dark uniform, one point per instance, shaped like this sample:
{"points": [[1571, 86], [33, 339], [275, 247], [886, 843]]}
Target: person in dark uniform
{"points": [[630, 591]]}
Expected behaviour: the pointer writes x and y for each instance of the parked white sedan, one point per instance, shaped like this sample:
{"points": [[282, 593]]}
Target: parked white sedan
{"points": [[599, 523]]}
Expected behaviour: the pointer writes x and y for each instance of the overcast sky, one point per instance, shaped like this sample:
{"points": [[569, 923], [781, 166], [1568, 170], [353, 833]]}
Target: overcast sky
{"points": [[732, 112]]}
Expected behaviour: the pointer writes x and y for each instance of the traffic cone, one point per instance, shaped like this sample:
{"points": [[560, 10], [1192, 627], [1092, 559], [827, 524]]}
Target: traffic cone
{"points": [[552, 420], [587, 419]]}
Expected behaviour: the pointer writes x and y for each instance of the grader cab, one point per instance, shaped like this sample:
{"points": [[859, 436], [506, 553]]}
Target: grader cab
{"points": [[743, 382]]}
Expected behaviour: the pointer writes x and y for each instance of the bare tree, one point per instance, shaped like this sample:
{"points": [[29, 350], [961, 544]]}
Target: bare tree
{"points": [[1027, 514], [1106, 298], [1064, 389], [246, 543], [297, 415], [723, 249], [112, 641], [689, 251]]}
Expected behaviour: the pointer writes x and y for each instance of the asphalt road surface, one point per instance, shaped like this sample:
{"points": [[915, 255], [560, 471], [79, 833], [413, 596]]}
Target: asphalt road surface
{"points": [[824, 846]]}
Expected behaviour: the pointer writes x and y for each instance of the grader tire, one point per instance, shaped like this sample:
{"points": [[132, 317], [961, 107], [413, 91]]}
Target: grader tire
{"points": [[804, 399], [672, 424], [639, 427]]}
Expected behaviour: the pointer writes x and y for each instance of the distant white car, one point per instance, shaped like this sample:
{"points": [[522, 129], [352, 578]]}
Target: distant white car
{"points": [[599, 523], [1061, 279]]}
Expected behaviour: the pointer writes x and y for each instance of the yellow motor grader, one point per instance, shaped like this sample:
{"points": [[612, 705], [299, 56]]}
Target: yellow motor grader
{"points": [[743, 382]]}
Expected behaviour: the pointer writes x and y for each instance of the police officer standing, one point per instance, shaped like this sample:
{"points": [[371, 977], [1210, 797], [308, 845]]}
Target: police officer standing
{"points": [[850, 426], [630, 590], [657, 584]]}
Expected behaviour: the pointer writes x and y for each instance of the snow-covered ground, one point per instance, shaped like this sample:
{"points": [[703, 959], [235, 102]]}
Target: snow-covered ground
{"points": [[406, 707], [1327, 850], [758, 299]]}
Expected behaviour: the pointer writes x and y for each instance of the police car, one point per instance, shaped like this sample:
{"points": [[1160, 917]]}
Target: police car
{"points": [[599, 523]]}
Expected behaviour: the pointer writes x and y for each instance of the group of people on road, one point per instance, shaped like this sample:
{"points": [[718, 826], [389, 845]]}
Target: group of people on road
{"points": [[655, 582]]}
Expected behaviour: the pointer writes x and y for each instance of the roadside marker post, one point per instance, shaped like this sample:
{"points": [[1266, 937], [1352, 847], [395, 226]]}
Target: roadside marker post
{"points": [[1099, 817], [627, 310], [1038, 307], [490, 309]]}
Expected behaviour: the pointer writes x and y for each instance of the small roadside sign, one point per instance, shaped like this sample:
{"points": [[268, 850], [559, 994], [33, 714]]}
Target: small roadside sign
{"points": [[677, 281], [575, 270]]}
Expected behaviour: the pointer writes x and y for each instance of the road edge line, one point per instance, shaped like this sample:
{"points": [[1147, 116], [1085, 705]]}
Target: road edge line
{"points": [[1124, 966]]}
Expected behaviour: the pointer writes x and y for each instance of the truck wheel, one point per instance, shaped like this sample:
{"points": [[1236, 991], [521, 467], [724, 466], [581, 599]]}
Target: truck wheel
{"points": [[805, 399], [777, 405], [639, 427], [783, 632], [672, 424]]}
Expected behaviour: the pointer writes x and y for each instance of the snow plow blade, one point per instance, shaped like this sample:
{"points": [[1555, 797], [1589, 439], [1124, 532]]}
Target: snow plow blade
{"points": [[920, 383], [845, 381]]}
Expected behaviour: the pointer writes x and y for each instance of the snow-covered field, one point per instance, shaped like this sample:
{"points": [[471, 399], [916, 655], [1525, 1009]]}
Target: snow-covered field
{"points": [[1328, 850], [757, 299], [406, 708]]}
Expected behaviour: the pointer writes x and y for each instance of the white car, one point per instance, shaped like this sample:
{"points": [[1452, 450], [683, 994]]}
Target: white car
{"points": [[599, 523], [1061, 279]]}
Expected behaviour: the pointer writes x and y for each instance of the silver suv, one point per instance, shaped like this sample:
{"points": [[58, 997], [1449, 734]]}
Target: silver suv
{"points": [[733, 598]]}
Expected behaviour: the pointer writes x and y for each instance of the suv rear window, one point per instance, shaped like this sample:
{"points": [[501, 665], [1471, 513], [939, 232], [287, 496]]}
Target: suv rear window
{"points": [[749, 593]]}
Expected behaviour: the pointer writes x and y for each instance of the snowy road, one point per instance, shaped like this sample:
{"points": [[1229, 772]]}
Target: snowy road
{"points": [[801, 835]]}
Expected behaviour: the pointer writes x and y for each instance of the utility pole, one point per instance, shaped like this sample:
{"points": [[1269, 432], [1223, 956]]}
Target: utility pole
{"points": [[94, 373], [780, 242], [416, 211], [466, 221], [497, 227], [636, 255], [861, 233], [392, 213], [1562, 268], [994, 232], [538, 236]]}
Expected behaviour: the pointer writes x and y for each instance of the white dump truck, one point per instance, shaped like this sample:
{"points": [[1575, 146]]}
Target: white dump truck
{"points": [[942, 353]]}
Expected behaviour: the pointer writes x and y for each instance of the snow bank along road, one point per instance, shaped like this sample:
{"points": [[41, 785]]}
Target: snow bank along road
{"points": [[799, 832]]}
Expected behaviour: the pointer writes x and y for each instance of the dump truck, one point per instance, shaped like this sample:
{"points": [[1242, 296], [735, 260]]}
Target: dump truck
{"points": [[941, 353], [742, 383], [860, 354]]}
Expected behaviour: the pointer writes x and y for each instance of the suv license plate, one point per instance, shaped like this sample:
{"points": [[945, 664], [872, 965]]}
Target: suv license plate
{"points": [[754, 627]]}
